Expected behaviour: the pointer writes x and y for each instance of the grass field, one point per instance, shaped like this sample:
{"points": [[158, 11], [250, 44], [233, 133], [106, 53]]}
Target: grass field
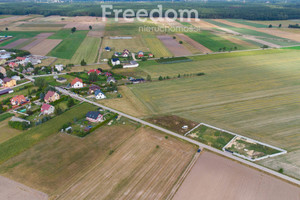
{"points": [[249, 23], [7, 132], [71, 42], [18, 35], [27, 139], [88, 50], [4, 116], [156, 46], [213, 42], [252, 95]]}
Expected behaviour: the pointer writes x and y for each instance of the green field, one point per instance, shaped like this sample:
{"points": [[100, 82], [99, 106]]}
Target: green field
{"points": [[27, 139], [249, 23], [253, 95], [213, 42], [156, 46], [18, 35], [4, 116], [211, 137], [88, 50], [71, 42]]}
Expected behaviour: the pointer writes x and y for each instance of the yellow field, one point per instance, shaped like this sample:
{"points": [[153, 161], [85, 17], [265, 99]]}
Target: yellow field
{"points": [[156, 46]]}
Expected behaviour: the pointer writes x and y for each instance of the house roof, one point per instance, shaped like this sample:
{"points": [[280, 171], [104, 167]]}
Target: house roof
{"points": [[18, 98], [49, 94], [110, 78], [94, 87], [98, 92], [45, 107], [20, 58], [93, 114], [94, 70], [115, 59], [107, 74], [6, 79], [76, 80], [107, 47]]}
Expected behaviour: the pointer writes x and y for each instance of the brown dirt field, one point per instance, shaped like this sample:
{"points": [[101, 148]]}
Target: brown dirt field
{"points": [[57, 162], [214, 177], [12, 190], [271, 31], [203, 24], [127, 103], [15, 43], [44, 47], [95, 33], [32, 44], [173, 123], [195, 44], [174, 47], [136, 170], [44, 35], [238, 41]]}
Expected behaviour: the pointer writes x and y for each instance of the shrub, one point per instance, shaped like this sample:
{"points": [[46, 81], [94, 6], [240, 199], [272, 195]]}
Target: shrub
{"points": [[19, 125]]}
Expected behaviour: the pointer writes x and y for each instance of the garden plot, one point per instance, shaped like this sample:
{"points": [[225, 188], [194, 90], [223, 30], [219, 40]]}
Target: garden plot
{"points": [[174, 47]]}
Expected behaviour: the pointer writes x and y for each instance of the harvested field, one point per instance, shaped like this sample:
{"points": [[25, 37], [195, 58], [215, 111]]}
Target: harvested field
{"points": [[203, 24], [32, 44], [174, 47], [44, 35], [12, 190], [95, 34], [216, 177], [44, 47], [195, 44], [15, 43], [138, 169], [240, 42], [84, 26], [173, 123]]}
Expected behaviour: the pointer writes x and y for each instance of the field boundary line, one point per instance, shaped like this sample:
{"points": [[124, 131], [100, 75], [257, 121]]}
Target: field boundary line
{"points": [[192, 129]]}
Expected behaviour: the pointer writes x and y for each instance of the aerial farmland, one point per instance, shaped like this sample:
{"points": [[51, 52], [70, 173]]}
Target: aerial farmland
{"points": [[97, 108]]}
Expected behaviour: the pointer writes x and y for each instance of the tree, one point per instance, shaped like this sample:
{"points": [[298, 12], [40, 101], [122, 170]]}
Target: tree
{"points": [[270, 26], [58, 110], [174, 37], [280, 170], [42, 96], [180, 42], [160, 78], [149, 78], [90, 27], [280, 25], [265, 47], [71, 102], [40, 82], [6, 29], [1, 75], [73, 30], [83, 63], [178, 76], [93, 77]]}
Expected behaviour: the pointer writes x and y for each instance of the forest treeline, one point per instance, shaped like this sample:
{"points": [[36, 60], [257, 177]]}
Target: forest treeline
{"points": [[237, 10]]}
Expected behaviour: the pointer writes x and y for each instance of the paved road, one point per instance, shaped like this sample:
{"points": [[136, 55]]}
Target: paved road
{"points": [[229, 155]]}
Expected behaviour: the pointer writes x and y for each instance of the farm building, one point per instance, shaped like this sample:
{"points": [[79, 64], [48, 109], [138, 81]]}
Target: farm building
{"points": [[115, 61], [139, 80], [47, 109], [94, 116], [8, 82], [77, 83], [99, 94], [132, 64], [51, 96], [18, 100], [6, 91]]}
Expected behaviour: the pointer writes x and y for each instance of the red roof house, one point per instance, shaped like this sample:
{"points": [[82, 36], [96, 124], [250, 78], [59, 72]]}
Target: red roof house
{"points": [[94, 70], [47, 109], [77, 83], [18, 100], [20, 58]]}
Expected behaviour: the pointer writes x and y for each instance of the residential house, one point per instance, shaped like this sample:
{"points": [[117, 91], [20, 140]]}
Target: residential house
{"points": [[99, 94], [3, 71], [8, 82], [139, 80], [94, 116], [17, 78], [77, 83], [94, 71], [115, 61], [13, 64], [111, 79], [107, 74], [150, 55], [47, 109], [18, 100], [93, 88], [59, 67], [140, 54], [116, 54], [131, 64], [51, 96], [32, 60], [107, 49]]}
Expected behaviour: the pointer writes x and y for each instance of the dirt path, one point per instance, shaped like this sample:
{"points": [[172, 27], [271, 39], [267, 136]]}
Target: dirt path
{"points": [[195, 44], [10, 189]]}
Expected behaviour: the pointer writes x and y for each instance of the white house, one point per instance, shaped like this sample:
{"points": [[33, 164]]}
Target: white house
{"points": [[47, 109], [99, 94], [59, 67], [77, 83], [131, 64], [115, 61]]}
